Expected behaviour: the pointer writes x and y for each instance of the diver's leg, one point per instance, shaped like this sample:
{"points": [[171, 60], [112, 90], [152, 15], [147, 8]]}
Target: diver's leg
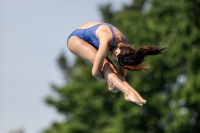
{"points": [[117, 80]]}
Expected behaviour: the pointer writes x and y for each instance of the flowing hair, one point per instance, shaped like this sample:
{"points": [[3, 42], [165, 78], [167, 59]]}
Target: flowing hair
{"points": [[130, 57]]}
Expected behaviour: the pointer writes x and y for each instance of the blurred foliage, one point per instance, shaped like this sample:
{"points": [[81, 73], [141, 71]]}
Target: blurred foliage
{"points": [[171, 87]]}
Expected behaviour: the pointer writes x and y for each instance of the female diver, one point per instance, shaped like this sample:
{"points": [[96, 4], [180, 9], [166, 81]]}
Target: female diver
{"points": [[94, 40]]}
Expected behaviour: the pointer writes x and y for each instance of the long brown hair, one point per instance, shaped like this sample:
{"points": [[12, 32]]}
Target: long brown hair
{"points": [[130, 57]]}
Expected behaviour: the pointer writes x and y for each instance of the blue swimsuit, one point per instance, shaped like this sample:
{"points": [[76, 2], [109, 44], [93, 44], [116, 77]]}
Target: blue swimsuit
{"points": [[89, 35]]}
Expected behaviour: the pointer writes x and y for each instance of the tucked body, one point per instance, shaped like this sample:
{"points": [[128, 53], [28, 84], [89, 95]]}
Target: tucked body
{"points": [[94, 40]]}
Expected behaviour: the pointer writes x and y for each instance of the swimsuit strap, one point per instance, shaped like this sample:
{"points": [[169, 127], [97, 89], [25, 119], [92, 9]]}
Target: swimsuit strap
{"points": [[113, 39], [93, 28]]}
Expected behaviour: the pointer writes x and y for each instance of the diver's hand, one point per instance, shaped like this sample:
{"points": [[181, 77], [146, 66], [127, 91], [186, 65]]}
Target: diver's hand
{"points": [[111, 87]]}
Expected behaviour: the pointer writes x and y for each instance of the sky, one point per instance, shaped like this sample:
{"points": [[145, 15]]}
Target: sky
{"points": [[33, 34]]}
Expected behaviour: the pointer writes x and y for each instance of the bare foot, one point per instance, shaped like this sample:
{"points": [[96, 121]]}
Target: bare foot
{"points": [[141, 99], [133, 97]]}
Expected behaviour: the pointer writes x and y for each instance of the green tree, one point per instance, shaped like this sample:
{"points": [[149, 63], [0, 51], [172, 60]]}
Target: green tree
{"points": [[171, 87]]}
